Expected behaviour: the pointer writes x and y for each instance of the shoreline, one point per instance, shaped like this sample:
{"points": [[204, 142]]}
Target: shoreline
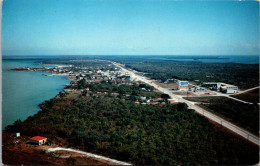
{"points": [[105, 160], [59, 103], [37, 105]]}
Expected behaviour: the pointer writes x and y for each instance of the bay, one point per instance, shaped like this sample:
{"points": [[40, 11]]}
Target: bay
{"points": [[23, 91]]}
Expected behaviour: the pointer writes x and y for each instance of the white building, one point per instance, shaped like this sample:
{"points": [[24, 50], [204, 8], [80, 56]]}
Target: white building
{"points": [[17, 134], [222, 87], [228, 88]]}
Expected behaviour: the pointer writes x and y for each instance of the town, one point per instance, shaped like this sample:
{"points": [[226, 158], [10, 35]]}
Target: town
{"points": [[130, 82], [107, 81], [106, 78]]}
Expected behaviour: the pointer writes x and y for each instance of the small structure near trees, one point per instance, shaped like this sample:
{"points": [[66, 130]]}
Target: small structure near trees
{"points": [[17, 134], [38, 140]]}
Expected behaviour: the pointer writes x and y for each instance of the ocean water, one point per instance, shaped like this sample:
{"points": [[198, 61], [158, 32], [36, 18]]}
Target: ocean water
{"points": [[23, 91]]}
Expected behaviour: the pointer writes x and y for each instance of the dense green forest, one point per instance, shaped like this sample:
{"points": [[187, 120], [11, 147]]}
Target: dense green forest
{"points": [[140, 134], [242, 75], [244, 115]]}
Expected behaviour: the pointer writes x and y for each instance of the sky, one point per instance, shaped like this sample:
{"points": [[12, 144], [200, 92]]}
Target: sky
{"points": [[130, 27]]}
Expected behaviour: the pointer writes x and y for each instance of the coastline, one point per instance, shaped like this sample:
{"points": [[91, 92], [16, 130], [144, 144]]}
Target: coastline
{"points": [[27, 90], [64, 75], [60, 127], [97, 159]]}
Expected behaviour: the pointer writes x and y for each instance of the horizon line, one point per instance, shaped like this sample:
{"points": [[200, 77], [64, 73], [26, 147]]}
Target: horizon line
{"points": [[138, 55]]}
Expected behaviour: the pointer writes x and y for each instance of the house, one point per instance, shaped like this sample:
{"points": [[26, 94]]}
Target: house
{"points": [[16, 134], [143, 99], [171, 101], [38, 140]]}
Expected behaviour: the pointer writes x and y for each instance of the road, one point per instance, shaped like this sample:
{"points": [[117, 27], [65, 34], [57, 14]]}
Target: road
{"points": [[243, 133], [241, 92], [95, 156]]}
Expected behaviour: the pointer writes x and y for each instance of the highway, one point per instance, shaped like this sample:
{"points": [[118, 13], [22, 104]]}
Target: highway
{"points": [[234, 128], [228, 95]]}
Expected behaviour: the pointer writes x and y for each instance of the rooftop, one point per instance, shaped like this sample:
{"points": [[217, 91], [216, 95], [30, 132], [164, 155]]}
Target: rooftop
{"points": [[37, 138]]}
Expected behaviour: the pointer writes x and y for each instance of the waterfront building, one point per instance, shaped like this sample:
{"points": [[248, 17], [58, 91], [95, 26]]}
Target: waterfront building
{"points": [[38, 140]]}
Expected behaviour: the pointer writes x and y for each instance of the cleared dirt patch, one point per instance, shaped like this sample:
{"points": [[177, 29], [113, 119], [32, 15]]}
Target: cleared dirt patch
{"points": [[251, 96], [241, 114]]}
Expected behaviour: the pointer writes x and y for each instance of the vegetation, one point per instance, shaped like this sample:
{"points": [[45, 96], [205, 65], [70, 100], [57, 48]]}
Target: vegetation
{"points": [[140, 134], [244, 115]]}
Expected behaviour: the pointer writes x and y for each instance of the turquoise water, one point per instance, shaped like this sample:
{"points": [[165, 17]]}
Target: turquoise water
{"points": [[23, 91]]}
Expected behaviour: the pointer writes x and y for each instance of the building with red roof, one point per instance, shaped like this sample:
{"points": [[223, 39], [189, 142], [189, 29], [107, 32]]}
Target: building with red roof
{"points": [[38, 140]]}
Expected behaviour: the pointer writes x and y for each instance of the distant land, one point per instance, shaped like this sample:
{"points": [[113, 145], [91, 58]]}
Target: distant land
{"points": [[244, 59]]}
